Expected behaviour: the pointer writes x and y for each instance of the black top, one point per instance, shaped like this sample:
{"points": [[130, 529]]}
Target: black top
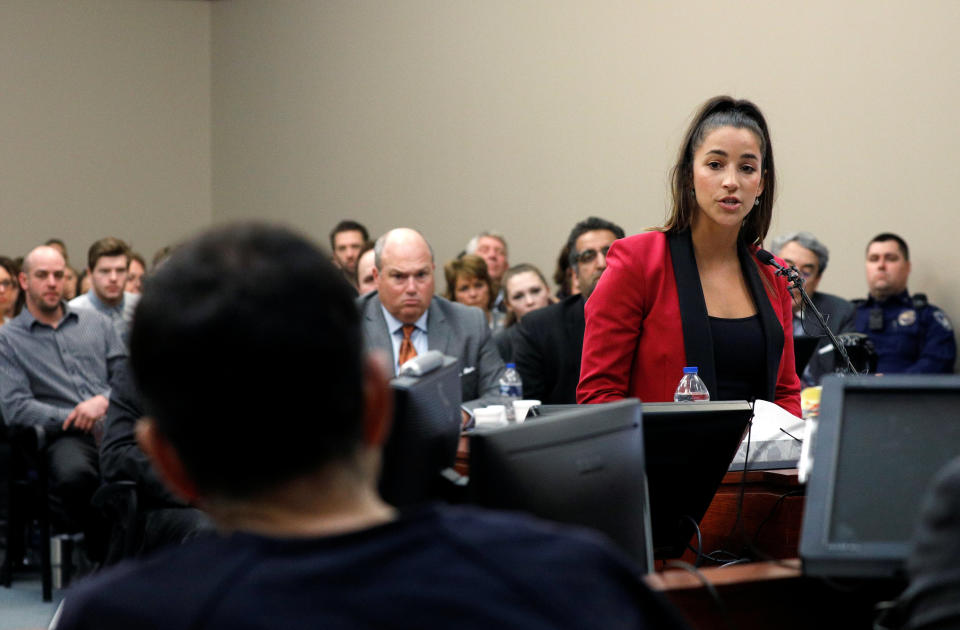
{"points": [[738, 345], [432, 568]]}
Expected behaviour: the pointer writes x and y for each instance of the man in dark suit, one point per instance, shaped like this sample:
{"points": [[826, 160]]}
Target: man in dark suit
{"points": [[810, 257], [549, 340], [403, 317]]}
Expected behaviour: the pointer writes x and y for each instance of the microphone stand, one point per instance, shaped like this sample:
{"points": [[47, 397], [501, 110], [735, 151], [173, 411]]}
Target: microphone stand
{"points": [[795, 280]]}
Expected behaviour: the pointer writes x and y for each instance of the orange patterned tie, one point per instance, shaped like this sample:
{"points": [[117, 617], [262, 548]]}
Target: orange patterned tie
{"points": [[407, 351]]}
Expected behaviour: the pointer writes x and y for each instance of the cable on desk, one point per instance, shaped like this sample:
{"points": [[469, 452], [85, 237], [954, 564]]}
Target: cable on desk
{"points": [[737, 561], [713, 555], [773, 510], [711, 590], [738, 523], [699, 549]]}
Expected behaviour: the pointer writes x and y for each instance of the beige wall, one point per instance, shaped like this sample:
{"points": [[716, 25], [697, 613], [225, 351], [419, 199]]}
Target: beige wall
{"points": [[104, 122], [454, 116]]}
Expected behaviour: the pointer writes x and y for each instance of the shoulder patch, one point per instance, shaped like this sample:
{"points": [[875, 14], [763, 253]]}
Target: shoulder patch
{"points": [[942, 319]]}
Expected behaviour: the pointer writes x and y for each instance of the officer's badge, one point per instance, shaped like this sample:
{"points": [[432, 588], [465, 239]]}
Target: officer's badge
{"points": [[942, 319], [907, 317]]}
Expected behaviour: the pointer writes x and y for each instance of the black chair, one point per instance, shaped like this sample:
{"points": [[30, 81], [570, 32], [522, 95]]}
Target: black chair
{"points": [[27, 506]]}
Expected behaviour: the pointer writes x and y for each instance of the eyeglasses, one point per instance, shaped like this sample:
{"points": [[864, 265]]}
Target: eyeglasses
{"points": [[6, 285], [589, 255]]}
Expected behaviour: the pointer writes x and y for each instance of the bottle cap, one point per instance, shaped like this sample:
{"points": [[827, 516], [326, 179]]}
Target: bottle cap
{"points": [[690, 370], [512, 365]]}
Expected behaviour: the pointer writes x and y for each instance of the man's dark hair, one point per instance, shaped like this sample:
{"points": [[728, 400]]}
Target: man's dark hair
{"points": [[883, 237], [246, 347], [588, 225], [348, 226], [109, 246]]}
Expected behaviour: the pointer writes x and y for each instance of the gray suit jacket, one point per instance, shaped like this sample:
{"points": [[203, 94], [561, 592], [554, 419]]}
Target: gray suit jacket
{"points": [[457, 331]]}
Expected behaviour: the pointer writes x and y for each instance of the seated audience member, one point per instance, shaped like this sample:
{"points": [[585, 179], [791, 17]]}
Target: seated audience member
{"points": [[346, 241], [803, 251], [910, 334], [492, 247], [61, 247], [135, 273], [525, 290], [564, 276], [469, 283], [933, 592], [160, 255], [166, 519], [107, 262], [69, 283], [83, 282], [365, 281], [56, 363], [9, 290], [549, 341], [403, 318], [306, 541]]}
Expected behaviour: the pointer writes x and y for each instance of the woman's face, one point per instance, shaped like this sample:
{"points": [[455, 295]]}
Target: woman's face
{"points": [[69, 283], [526, 292], [727, 176], [9, 290], [472, 291]]}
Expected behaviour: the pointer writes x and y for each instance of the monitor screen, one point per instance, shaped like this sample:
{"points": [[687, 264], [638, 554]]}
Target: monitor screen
{"points": [[688, 450], [582, 465], [879, 442], [424, 435]]}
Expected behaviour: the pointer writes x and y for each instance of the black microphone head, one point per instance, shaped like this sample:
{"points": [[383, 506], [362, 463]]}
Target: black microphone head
{"points": [[766, 258]]}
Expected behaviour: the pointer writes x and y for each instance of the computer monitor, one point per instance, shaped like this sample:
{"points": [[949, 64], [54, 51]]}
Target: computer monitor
{"points": [[689, 450], [424, 435], [803, 348], [582, 466], [879, 442]]}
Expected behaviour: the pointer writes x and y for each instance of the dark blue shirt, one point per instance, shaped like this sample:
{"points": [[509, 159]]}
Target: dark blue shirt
{"points": [[436, 567], [913, 338]]}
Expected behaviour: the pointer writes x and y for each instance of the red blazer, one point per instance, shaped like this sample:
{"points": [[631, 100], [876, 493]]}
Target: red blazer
{"points": [[643, 327]]}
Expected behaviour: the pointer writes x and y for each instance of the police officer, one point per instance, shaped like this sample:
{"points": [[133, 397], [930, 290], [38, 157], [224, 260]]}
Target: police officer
{"points": [[909, 334]]}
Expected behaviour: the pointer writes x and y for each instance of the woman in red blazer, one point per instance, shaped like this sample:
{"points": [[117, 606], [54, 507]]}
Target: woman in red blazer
{"points": [[693, 293]]}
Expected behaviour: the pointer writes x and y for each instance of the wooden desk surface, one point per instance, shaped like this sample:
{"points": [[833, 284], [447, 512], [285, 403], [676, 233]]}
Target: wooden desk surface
{"points": [[764, 595]]}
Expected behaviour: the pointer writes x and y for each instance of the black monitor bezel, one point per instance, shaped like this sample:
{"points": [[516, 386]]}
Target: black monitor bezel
{"points": [[402, 481], [854, 560], [571, 424]]}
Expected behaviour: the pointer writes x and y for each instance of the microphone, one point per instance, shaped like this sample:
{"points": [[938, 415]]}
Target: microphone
{"points": [[422, 364], [794, 279], [768, 259]]}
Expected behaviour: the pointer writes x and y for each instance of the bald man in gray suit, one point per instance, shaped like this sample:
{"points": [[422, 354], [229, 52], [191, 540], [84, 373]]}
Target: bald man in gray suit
{"points": [[403, 271]]}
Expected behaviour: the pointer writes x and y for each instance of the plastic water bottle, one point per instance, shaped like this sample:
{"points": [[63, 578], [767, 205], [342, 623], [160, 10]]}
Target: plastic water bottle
{"points": [[511, 389], [690, 387]]}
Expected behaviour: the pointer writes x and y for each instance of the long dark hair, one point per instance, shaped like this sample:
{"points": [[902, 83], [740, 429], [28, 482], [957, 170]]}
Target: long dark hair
{"points": [[723, 111]]}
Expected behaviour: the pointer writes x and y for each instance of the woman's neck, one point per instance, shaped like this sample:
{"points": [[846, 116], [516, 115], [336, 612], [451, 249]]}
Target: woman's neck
{"points": [[713, 243]]}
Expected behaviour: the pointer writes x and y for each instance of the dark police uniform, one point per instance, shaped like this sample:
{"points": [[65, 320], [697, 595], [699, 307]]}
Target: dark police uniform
{"points": [[910, 334]]}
